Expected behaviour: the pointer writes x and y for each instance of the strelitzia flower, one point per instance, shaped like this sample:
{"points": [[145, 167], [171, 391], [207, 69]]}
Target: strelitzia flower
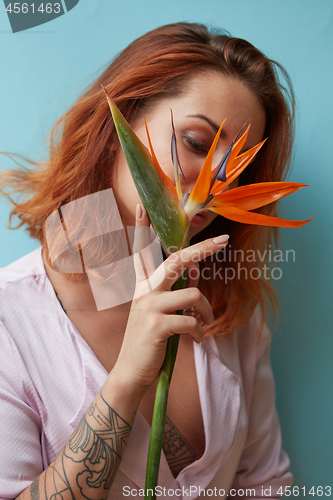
{"points": [[210, 190], [170, 213]]}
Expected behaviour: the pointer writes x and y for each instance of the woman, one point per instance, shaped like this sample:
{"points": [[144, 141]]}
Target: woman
{"points": [[78, 383]]}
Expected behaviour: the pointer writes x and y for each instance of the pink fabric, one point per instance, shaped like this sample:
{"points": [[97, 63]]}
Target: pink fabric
{"points": [[49, 376]]}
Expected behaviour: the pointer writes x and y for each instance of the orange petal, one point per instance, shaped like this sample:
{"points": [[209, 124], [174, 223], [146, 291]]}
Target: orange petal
{"points": [[239, 164], [200, 191], [218, 186], [257, 195], [152, 152], [242, 161], [236, 149], [238, 215]]}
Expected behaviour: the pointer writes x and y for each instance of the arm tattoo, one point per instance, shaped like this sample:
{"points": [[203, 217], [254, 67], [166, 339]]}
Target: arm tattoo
{"points": [[34, 490], [177, 450], [97, 445]]}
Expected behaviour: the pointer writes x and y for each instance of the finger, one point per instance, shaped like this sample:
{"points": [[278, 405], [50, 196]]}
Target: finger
{"points": [[193, 275], [168, 302], [141, 233], [174, 266], [152, 254], [141, 242], [183, 325]]}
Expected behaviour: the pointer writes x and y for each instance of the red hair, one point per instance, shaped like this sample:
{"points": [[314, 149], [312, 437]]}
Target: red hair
{"points": [[83, 145]]}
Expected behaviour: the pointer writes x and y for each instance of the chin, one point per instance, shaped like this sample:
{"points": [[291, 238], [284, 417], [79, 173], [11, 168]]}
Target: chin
{"points": [[194, 229], [200, 221]]}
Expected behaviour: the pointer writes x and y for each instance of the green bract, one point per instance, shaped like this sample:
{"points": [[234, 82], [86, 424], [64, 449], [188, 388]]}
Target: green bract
{"points": [[164, 209]]}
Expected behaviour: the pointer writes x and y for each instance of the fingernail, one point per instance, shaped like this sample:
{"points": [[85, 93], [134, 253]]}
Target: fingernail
{"points": [[139, 212], [220, 240]]}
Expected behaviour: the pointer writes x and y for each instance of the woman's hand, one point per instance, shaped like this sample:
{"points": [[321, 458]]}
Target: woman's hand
{"points": [[152, 319]]}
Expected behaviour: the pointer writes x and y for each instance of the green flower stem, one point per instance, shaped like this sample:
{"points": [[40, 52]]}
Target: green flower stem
{"points": [[160, 406], [156, 435], [170, 221]]}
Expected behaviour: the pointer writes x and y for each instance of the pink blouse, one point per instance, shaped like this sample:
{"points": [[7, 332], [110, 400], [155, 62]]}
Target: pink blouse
{"points": [[49, 376]]}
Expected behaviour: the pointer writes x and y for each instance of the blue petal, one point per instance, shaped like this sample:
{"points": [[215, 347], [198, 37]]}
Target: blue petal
{"points": [[174, 151], [209, 198], [220, 172], [185, 198]]}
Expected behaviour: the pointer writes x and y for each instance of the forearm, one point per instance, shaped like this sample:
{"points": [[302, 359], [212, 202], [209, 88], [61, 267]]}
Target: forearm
{"points": [[88, 463]]}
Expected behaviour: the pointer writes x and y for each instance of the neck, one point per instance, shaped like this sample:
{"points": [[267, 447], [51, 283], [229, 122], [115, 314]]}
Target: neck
{"points": [[77, 300]]}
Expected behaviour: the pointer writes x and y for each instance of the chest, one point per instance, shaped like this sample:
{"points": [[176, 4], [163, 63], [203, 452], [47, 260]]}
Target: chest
{"points": [[184, 437]]}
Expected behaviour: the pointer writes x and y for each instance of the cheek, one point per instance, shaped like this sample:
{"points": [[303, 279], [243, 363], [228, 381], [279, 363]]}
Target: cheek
{"points": [[191, 172], [191, 166]]}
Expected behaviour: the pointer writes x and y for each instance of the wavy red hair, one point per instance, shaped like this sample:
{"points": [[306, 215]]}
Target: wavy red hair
{"points": [[84, 144]]}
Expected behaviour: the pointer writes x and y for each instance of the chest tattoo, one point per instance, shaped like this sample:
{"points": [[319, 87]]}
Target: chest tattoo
{"points": [[177, 450]]}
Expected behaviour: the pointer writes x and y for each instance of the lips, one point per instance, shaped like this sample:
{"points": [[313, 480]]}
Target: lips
{"points": [[200, 218]]}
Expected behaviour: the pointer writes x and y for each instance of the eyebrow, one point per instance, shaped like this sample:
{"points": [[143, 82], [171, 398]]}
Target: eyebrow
{"points": [[214, 126]]}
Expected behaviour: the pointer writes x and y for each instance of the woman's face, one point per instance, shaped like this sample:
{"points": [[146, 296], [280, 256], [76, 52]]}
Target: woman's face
{"points": [[207, 100]]}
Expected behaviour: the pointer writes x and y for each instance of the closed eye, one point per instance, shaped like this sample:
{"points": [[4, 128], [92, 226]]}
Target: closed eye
{"points": [[195, 146]]}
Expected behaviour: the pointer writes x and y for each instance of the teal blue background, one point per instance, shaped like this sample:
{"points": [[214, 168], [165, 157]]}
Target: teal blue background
{"points": [[44, 69]]}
